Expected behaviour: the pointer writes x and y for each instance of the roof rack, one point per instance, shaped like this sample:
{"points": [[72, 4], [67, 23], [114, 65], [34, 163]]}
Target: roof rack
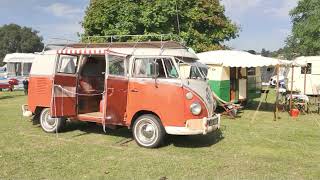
{"points": [[162, 41]]}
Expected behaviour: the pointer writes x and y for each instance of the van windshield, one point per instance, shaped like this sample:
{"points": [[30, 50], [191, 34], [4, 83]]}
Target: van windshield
{"points": [[191, 69]]}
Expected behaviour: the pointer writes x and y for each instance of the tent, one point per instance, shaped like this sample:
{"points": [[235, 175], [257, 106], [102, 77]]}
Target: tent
{"points": [[234, 76]]}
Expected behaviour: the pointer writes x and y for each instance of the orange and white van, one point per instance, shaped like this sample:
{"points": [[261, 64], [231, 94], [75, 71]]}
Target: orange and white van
{"points": [[153, 88]]}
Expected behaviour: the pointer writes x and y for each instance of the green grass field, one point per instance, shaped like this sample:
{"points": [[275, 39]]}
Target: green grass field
{"points": [[244, 149]]}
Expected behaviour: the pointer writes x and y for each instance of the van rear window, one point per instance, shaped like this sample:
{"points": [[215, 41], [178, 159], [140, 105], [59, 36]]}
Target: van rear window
{"points": [[67, 64]]}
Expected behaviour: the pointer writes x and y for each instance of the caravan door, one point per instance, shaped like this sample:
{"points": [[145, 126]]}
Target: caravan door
{"points": [[64, 97]]}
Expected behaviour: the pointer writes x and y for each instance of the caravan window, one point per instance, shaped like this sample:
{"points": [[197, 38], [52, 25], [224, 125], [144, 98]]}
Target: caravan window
{"points": [[251, 71], [67, 64], [26, 68], [307, 69]]}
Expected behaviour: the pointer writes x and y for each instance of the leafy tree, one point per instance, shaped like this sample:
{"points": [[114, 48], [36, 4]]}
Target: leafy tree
{"points": [[265, 53], [203, 24], [14, 38], [305, 38], [252, 52]]}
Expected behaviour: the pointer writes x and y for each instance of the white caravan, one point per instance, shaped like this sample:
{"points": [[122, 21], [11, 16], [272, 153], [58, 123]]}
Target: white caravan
{"points": [[306, 79], [19, 64]]}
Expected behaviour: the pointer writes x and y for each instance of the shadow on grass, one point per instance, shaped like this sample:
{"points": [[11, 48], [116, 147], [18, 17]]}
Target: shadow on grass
{"points": [[178, 141], [6, 97], [10, 96], [93, 128], [265, 106], [195, 141]]}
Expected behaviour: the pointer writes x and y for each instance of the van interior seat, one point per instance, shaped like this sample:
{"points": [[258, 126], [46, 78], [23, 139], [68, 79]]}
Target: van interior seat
{"points": [[91, 85], [91, 78]]}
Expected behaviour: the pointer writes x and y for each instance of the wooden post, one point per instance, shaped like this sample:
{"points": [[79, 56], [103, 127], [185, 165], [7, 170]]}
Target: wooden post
{"points": [[291, 95], [277, 94]]}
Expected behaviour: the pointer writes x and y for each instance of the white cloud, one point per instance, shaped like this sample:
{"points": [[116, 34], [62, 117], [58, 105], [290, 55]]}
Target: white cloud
{"points": [[67, 31], [283, 10], [275, 8], [64, 10], [239, 6]]}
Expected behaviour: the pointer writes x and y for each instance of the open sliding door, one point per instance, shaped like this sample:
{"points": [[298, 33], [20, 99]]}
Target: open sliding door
{"points": [[64, 98], [116, 86]]}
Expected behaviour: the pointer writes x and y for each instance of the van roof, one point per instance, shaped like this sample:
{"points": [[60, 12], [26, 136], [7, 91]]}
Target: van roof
{"points": [[152, 48], [146, 44]]}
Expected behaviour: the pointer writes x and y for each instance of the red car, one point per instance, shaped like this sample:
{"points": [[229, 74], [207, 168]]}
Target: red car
{"points": [[9, 85]]}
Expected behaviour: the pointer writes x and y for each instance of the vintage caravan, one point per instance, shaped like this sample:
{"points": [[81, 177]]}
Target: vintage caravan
{"points": [[234, 76], [306, 75], [137, 85], [18, 64]]}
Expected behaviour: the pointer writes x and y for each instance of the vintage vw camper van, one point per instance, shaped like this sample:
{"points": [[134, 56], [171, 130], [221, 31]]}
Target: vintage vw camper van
{"points": [[136, 85]]}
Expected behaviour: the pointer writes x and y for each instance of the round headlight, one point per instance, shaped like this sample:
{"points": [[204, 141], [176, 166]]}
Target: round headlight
{"points": [[189, 95], [195, 108]]}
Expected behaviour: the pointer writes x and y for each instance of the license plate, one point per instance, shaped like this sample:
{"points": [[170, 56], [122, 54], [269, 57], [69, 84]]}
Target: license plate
{"points": [[212, 122]]}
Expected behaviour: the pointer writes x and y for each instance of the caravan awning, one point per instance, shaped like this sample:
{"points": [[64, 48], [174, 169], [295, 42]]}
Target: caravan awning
{"points": [[19, 57], [230, 58]]}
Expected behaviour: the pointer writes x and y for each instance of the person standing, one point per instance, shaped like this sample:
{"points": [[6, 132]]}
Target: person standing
{"points": [[25, 86]]}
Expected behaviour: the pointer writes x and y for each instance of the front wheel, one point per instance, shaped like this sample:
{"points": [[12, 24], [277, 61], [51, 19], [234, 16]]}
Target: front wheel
{"points": [[148, 132], [50, 124]]}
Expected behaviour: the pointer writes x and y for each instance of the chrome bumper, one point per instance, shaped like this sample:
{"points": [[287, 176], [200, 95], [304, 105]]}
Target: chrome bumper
{"points": [[196, 126], [25, 111]]}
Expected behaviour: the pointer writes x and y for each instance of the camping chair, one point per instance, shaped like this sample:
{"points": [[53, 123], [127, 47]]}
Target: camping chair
{"points": [[230, 109]]}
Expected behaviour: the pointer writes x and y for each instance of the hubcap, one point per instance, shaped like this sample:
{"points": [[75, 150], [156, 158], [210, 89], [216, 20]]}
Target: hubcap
{"points": [[146, 132], [48, 123]]}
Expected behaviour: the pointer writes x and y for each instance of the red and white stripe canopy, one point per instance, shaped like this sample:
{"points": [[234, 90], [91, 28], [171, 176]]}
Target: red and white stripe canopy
{"points": [[90, 51]]}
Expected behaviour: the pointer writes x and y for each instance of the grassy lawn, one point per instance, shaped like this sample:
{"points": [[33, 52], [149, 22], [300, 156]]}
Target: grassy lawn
{"points": [[245, 148]]}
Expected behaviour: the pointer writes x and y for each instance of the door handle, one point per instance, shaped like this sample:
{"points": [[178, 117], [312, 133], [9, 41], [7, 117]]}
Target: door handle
{"points": [[110, 91], [134, 90]]}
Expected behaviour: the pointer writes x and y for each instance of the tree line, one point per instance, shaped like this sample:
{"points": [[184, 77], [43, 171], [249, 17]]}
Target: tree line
{"points": [[17, 39], [202, 24]]}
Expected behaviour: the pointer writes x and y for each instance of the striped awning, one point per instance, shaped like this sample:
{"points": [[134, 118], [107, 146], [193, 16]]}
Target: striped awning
{"points": [[80, 51]]}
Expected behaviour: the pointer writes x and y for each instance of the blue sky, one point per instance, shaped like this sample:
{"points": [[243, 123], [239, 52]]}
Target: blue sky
{"points": [[264, 23]]}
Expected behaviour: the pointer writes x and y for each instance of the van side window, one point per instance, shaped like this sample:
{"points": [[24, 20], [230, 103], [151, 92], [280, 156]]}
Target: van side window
{"points": [[67, 64], [117, 66], [307, 69], [170, 69], [144, 67]]}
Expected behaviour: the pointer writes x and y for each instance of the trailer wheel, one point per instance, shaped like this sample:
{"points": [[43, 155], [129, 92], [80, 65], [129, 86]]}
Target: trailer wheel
{"points": [[148, 132], [49, 124]]}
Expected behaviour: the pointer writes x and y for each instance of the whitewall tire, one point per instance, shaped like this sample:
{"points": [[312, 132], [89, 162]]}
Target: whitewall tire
{"points": [[148, 132], [49, 124]]}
